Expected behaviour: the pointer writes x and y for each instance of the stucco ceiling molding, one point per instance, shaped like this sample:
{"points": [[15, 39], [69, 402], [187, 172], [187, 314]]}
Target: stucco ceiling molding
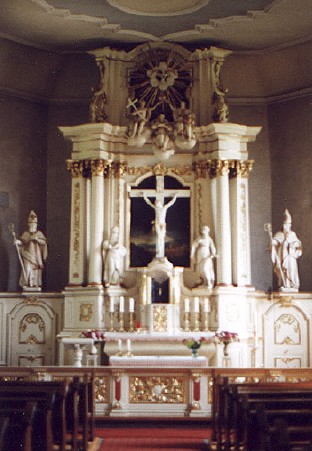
{"points": [[66, 14], [158, 8]]}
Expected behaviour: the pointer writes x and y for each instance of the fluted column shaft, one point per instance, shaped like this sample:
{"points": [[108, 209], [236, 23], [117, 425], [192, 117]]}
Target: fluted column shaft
{"points": [[95, 269], [240, 222], [222, 222]]}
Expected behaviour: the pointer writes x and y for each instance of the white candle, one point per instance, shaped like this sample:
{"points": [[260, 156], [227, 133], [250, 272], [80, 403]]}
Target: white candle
{"points": [[129, 345], [122, 304], [186, 305], [206, 306], [111, 305], [196, 305], [131, 305], [119, 344]]}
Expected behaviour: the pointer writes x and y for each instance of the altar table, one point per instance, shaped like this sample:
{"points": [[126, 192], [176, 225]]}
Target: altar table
{"points": [[159, 361]]}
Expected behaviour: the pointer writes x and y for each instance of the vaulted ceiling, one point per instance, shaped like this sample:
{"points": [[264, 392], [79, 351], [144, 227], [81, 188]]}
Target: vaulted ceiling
{"points": [[239, 25]]}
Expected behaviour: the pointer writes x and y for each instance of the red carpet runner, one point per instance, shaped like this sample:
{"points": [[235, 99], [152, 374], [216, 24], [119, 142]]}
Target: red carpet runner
{"points": [[151, 438]]}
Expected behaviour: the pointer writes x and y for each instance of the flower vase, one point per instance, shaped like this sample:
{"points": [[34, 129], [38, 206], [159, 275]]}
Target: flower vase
{"points": [[226, 348], [93, 350], [194, 352]]}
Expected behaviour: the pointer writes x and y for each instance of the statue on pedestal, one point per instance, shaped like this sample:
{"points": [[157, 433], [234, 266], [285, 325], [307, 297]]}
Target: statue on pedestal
{"points": [[33, 252], [113, 253], [203, 252], [286, 248], [160, 222]]}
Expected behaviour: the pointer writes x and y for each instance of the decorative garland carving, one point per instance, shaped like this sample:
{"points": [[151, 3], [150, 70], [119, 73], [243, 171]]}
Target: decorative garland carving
{"points": [[157, 389], [36, 323]]}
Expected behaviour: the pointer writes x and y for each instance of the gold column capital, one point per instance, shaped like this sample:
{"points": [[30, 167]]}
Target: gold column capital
{"points": [[242, 168], [218, 168], [75, 167], [201, 169]]}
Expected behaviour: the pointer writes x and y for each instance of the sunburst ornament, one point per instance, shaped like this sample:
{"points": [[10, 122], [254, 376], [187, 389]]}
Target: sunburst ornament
{"points": [[162, 78]]}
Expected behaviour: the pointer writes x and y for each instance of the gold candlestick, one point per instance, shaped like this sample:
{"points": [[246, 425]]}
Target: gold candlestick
{"points": [[196, 321], [111, 320], [187, 321], [131, 322], [121, 322]]}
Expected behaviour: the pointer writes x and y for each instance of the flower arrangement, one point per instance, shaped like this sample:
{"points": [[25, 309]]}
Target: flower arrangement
{"points": [[193, 343], [226, 337], [96, 334]]}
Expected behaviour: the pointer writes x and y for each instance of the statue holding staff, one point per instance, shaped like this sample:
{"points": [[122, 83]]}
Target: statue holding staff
{"points": [[32, 250], [286, 248]]}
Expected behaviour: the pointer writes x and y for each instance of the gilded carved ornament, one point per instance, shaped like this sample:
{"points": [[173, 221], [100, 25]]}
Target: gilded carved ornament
{"points": [[157, 389], [219, 168], [160, 319], [33, 325], [75, 167], [101, 389], [86, 168], [287, 330], [97, 167], [241, 168], [31, 300], [201, 169], [86, 312], [160, 169], [76, 223]]}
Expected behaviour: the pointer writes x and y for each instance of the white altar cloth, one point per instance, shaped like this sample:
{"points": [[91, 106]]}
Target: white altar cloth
{"points": [[159, 361], [156, 337]]}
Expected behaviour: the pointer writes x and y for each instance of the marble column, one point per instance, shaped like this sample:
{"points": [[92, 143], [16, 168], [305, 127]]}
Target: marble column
{"points": [[219, 172], [240, 222], [95, 269]]}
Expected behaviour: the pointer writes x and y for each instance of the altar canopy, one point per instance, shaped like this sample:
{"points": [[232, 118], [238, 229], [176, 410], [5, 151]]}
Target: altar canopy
{"points": [[159, 164]]}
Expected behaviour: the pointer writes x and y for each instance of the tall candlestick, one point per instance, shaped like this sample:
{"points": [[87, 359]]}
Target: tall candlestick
{"points": [[111, 305], [196, 305], [122, 304], [129, 353], [186, 305], [131, 305]]}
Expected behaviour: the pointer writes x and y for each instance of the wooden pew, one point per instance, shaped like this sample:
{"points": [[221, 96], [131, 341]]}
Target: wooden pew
{"points": [[53, 397], [238, 406], [80, 413], [16, 425]]}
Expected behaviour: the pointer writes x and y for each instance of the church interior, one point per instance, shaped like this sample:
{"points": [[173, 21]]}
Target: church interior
{"points": [[156, 202]]}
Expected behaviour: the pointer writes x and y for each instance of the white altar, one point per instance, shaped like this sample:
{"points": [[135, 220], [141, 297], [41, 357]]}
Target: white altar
{"points": [[160, 239]]}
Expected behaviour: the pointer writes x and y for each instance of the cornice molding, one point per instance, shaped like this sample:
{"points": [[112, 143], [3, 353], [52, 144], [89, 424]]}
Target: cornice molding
{"points": [[293, 95]]}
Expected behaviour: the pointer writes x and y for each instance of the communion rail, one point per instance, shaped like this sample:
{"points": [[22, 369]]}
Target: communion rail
{"points": [[156, 391]]}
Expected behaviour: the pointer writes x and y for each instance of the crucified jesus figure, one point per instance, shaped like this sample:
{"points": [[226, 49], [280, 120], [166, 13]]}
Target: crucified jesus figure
{"points": [[160, 222]]}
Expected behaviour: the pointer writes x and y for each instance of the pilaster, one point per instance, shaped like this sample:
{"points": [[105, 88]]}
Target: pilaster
{"points": [[77, 249]]}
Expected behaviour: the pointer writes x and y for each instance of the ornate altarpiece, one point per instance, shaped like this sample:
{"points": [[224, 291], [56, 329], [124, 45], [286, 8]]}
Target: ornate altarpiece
{"points": [[159, 125]]}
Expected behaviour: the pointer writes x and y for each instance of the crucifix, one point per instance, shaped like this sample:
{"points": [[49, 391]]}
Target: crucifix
{"points": [[160, 206]]}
